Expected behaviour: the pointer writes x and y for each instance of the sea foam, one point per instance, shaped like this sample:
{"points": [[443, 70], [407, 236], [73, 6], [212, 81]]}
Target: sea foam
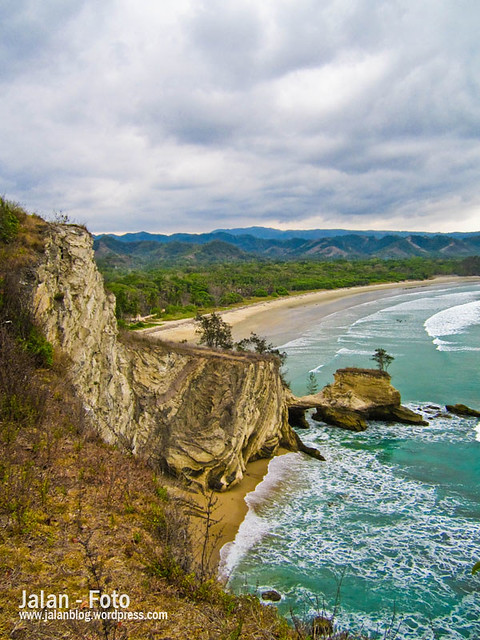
{"points": [[477, 429], [380, 517], [453, 320], [253, 527]]}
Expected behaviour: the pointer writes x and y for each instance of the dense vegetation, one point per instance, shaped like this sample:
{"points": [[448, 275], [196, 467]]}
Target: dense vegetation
{"points": [[176, 292]]}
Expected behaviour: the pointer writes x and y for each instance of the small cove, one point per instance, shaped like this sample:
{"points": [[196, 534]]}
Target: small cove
{"points": [[391, 522]]}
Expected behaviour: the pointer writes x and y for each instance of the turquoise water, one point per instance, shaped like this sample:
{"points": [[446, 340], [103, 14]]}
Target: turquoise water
{"points": [[389, 527]]}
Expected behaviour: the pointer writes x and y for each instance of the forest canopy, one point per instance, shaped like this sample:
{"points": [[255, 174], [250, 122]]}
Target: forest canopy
{"points": [[176, 292]]}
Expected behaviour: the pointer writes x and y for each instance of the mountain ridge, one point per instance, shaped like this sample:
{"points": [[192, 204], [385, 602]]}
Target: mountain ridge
{"points": [[223, 246], [271, 233]]}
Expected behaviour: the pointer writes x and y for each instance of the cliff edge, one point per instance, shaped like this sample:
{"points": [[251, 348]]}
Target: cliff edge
{"points": [[201, 415]]}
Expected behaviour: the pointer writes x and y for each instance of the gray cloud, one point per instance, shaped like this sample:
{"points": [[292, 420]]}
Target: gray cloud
{"points": [[189, 115]]}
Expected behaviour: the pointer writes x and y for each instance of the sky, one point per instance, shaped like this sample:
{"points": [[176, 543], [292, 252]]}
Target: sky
{"points": [[192, 115]]}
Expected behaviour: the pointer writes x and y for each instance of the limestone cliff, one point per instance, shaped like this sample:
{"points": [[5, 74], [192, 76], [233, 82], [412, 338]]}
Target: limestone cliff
{"points": [[200, 414], [356, 396], [77, 316], [204, 414]]}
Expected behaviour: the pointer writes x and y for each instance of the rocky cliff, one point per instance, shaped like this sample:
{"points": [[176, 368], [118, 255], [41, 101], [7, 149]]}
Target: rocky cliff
{"points": [[357, 395], [200, 414]]}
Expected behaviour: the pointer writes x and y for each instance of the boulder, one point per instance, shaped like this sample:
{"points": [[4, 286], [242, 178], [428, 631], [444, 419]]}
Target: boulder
{"points": [[351, 420], [271, 595], [462, 410], [398, 414]]}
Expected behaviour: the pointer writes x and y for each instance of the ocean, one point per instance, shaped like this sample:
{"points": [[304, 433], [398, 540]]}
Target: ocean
{"points": [[384, 534]]}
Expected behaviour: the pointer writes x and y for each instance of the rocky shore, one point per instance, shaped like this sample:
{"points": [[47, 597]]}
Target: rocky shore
{"points": [[356, 396], [197, 413]]}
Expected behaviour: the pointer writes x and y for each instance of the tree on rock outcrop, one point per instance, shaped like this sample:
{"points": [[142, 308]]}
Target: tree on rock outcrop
{"points": [[312, 384], [214, 332], [383, 359]]}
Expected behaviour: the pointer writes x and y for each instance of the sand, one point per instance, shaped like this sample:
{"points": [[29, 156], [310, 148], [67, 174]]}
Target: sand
{"points": [[281, 319], [230, 508], [274, 318]]}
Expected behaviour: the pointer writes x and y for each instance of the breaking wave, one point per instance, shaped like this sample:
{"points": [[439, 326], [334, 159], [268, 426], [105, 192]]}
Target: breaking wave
{"points": [[454, 320]]}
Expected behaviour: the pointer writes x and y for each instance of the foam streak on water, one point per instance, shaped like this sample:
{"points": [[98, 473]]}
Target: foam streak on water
{"points": [[254, 528], [395, 510], [453, 321], [401, 540]]}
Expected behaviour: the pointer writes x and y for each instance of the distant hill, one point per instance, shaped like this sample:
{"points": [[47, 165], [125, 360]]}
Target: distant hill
{"points": [[131, 254], [269, 233], [135, 249]]}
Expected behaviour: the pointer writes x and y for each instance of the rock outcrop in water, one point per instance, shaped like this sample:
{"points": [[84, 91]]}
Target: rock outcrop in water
{"points": [[462, 410], [357, 395], [200, 414]]}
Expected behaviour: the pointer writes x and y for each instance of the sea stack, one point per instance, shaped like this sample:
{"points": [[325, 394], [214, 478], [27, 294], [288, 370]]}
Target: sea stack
{"points": [[358, 395]]}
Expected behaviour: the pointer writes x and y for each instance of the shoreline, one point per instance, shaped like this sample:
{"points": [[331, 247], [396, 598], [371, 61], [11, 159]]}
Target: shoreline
{"points": [[230, 506], [254, 318]]}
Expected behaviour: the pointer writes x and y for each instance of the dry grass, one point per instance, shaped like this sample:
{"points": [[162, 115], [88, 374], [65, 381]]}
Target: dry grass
{"points": [[78, 514], [373, 373], [24, 240], [152, 342]]}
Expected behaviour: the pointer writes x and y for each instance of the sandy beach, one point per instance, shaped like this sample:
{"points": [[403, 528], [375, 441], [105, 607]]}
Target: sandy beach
{"points": [[229, 508], [274, 318], [278, 320]]}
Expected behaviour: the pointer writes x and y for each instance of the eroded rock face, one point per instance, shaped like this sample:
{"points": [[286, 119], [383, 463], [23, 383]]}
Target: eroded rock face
{"points": [[362, 390], [76, 314], [201, 415], [206, 414], [358, 395]]}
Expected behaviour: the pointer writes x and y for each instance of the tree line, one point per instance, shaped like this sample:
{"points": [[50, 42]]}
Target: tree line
{"points": [[172, 292]]}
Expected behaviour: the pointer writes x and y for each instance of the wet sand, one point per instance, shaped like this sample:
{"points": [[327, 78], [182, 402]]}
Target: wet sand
{"points": [[280, 319], [230, 508]]}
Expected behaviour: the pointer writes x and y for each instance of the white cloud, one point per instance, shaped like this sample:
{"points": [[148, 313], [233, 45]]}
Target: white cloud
{"points": [[189, 115]]}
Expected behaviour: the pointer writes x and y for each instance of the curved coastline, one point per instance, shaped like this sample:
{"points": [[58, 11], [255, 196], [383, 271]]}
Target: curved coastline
{"points": [[231, 506], [317, 520], [270, 318]]}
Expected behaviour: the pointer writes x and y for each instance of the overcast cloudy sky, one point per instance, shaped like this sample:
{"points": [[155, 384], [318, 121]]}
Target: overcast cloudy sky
{"points": [[189, 115]]}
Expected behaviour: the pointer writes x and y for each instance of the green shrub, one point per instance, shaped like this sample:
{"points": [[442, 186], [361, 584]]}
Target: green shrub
{"points": [[230, 298], [162, 493], [9, 222], [39, 347]]}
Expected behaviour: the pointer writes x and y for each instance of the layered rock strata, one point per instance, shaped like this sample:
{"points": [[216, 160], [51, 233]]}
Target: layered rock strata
{"points": [[200, 414], [357, 395]]}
